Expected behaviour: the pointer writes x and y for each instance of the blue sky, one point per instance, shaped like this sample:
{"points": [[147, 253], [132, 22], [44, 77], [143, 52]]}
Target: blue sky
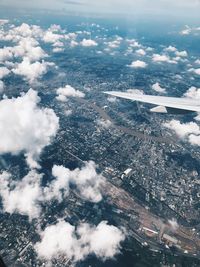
{"points": [[158, 7]]}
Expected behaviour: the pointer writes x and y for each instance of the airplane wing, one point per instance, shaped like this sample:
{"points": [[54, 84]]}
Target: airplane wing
{"points": [[164, 104]]}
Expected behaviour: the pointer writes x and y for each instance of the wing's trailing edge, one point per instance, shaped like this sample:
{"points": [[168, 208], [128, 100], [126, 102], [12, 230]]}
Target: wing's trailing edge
{"points": [[185, 104]]}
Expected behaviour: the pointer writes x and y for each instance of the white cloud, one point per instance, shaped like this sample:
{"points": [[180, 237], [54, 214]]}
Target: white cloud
{"points": [[1, 86], [21, 196], [186, 31], [26, 128], [197, 61], [190, 30], [68, 91], [73, 43], [25, 196], [5, 54], [28, 47], [162, 58], [58, 49], [88, 43], [141, 52], [86, 180], [189, 131], [170, 49], [116, 43], [51, 37], [138, 64], [4, 72], [3, 21], [156, 87], [31, 71], [183, 129], [63, 239], [112, 99], [193, 93], [104, 123], [133, 43], [68, 112], [181, 53], [196, 71]]}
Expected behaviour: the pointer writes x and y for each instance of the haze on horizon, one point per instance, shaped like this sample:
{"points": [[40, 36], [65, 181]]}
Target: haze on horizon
{"points": [[178, 8]]}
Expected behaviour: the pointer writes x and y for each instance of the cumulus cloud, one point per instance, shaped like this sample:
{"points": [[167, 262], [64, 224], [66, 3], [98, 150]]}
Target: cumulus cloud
{"points": [[190, 30], [21, 196], [188, 131], [193, 93], [63, 239], [86, 180], [196, 71], [4, 72], [28, 47], [141, 52], [138, 64], [15, 34], [162, 58], [112, 99], [31, 71], [156, 87], [88, 43], [5, 54], [68, 91], [116, 43], [181, 53], [26, 128], [170, 49], [51, 37], [183, 129], [58, 49], [25, 196]]}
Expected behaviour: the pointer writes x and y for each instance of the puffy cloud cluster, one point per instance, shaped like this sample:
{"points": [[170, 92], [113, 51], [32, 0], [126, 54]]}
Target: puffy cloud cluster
{"points": [[21, 196], [163, 58], [88, 43], [115, 43], [27, 48], [189, 131], [138, 64], [25, 127], [86, 180], [68, 91], [156, 87], [31, 71], [15, 34], [26, 195], [63, 239]]}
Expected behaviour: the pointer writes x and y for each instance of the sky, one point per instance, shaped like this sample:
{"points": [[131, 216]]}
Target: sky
{"points": [[177, 8]]}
